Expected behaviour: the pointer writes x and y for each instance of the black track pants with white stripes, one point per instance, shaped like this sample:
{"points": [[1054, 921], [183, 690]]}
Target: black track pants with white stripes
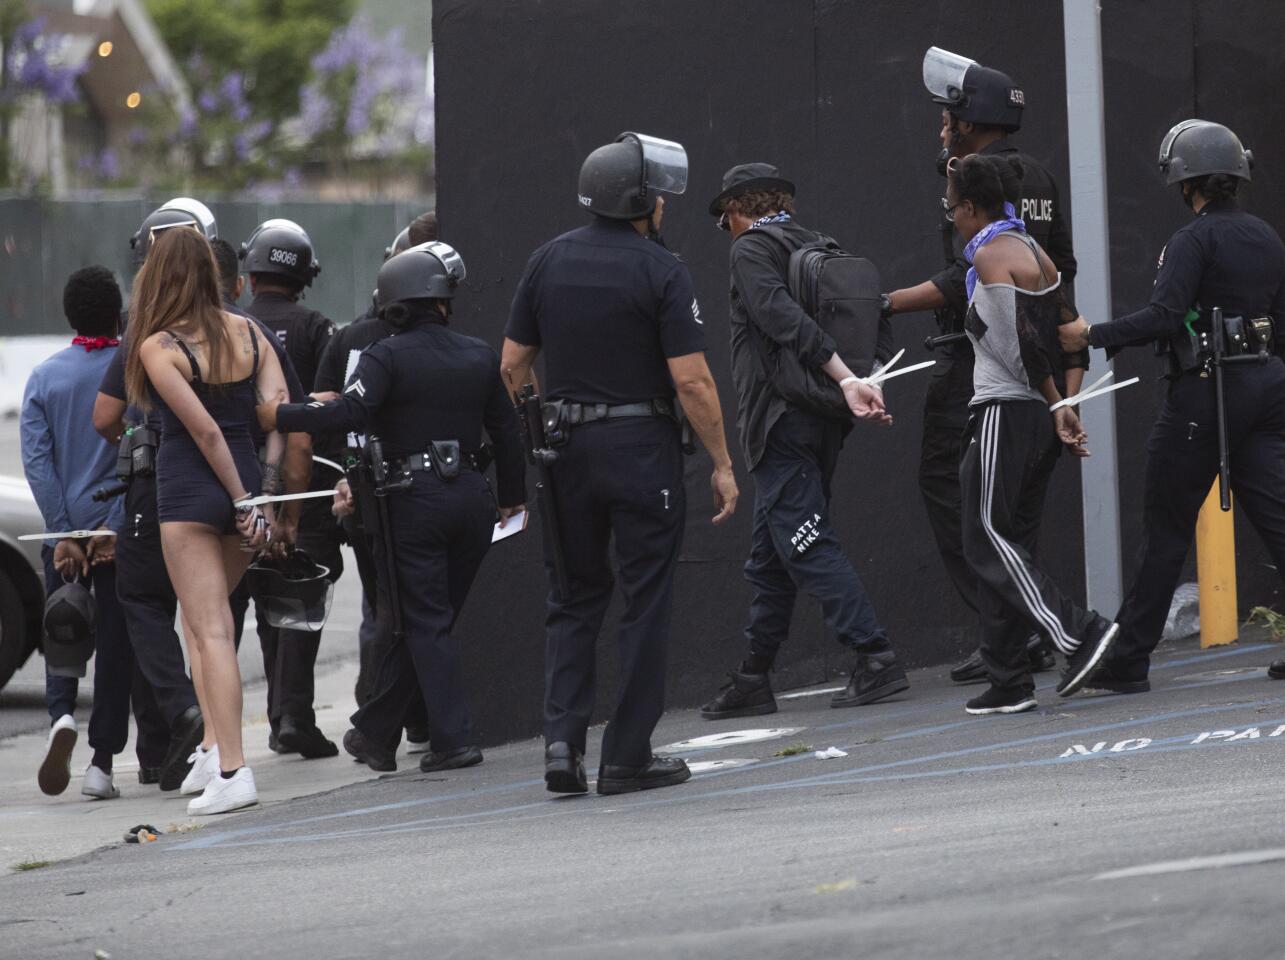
{"points": [[1010, 449]]}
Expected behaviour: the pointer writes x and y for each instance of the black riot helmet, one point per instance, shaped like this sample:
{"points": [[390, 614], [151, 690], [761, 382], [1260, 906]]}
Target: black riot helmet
{"points": [[179, 212], [430, 271], [281, 247], [400, 244], [70, 613], [620, 181], [971, 92], [1199, 148], [293, 593]]}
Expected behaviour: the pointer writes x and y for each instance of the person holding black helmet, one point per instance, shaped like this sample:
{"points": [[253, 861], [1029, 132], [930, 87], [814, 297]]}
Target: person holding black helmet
{"points": [[792, 450], [1225, 265], [616, 317], [423, 397], [980, 108], [281, 262]]}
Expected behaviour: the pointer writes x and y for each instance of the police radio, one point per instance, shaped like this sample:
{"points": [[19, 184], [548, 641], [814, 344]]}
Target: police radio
{"points": [[136, 456]]}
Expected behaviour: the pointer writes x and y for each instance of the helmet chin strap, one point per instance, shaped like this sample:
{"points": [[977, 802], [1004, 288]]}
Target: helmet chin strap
{"points": [[653, 232], [943, 157]]}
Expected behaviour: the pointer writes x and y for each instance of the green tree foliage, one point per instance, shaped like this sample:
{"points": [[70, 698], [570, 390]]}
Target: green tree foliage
{"points": [[268, 42]]}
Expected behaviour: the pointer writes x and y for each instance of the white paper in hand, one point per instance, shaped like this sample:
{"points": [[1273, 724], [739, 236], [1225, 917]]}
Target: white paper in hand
{"points": [[512, 527]]}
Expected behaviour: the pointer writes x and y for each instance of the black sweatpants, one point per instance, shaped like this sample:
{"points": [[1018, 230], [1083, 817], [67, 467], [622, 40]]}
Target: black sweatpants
{"points": [[620, 479], [1182, 463], [441, 532], [1012, 448], [793, 546]]}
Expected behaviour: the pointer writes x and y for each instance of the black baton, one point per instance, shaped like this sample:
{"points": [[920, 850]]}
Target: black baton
{"points": [[1224, 465], [531, 413]]}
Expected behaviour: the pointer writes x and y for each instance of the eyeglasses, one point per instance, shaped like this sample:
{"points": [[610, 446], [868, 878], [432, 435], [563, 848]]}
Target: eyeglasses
{"points": [[948, 209]]}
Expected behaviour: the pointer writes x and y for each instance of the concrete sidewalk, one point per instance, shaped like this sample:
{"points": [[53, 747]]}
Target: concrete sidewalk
{"points": [[36, 828]]}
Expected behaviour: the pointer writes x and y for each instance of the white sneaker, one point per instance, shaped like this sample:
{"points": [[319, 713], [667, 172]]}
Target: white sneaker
{"points": [[205, 764], [222, 795], [55, 771], [415, 746], [98, 784]]}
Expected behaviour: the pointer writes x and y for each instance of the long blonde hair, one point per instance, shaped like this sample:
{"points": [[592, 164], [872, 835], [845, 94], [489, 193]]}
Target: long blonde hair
{"points": [[178, 286]]}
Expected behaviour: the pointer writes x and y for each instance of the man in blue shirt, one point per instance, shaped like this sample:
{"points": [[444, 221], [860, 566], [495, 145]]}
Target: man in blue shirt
{"points": [[65, 461]]}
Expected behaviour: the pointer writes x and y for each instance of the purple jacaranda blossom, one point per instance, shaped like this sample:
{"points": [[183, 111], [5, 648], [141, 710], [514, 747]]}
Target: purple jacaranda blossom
{"points": [[33, 68], [240, 149], [136, 136], [256, 133], [208, 101], [108, 165], [187, 123]]}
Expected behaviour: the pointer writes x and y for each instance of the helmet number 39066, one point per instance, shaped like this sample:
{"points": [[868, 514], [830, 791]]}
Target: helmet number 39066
{"points": [[287, 257]]}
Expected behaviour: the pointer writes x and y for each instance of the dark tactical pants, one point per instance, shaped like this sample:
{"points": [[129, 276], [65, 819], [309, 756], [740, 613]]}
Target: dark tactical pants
{"points": [[1182, 464], [441, 533], [620, 479]]}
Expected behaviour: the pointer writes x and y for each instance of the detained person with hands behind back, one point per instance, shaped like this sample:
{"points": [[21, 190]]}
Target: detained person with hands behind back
{"points": [[205, 370], [792, 448], [1012, 441]]}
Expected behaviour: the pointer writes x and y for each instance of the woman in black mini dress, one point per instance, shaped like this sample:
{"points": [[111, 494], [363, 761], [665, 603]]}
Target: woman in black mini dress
{"points": [[206, 371]]}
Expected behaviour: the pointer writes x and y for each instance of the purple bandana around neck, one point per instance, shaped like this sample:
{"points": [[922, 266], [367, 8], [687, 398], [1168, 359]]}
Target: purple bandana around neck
{"points": [[984, 236]]}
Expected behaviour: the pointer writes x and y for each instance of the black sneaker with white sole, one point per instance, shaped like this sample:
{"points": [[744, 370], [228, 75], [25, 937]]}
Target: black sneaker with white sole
{"points": [[1001, 700], [1088, 656]]}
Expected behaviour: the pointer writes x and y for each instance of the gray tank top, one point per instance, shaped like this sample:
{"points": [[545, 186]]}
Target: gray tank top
{"points": [[1014, 336]]}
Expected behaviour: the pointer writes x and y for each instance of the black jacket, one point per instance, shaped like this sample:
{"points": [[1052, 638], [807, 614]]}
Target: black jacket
{"points": [[760, 296]]}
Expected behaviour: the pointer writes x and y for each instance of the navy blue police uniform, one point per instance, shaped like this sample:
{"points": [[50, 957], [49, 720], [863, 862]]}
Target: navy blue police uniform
{"points": [[423, 387], [1224, 258], [290, 656], [337, 365], [608, 308]]}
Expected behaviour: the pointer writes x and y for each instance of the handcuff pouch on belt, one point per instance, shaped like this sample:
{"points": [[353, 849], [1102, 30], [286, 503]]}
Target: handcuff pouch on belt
{"points": [[1191, 351], [136, 456]]}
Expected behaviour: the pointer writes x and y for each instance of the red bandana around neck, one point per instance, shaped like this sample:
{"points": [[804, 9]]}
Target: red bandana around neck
{"points": [[94, 343]]}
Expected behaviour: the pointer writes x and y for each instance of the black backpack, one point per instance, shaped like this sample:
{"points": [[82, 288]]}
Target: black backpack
{"points": [[841, 292]]}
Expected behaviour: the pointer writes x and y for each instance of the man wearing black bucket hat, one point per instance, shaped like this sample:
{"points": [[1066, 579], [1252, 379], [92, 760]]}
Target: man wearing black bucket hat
{"points": [[792, 450]]}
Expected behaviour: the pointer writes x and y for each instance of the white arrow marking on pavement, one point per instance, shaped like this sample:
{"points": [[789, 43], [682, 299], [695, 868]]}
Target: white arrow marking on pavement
{"points": [[715, 741], [705, 766]]}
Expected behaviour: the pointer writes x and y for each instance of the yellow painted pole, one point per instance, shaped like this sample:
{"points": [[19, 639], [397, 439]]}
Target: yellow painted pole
{"points": [[1216, 573]]}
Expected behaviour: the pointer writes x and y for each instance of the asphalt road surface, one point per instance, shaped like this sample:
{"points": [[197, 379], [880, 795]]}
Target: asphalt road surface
{"points": [[1102, 826]]}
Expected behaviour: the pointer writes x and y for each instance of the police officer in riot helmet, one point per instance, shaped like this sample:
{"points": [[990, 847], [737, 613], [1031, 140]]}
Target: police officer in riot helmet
{"points": [[179, 212], [1222, 275], [616, 318], [980, 108], [281, 262], [423, 397], [355, 506]]}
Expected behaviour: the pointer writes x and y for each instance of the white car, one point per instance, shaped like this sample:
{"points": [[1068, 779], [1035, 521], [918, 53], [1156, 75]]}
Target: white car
{"points": [[22, 578]]}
